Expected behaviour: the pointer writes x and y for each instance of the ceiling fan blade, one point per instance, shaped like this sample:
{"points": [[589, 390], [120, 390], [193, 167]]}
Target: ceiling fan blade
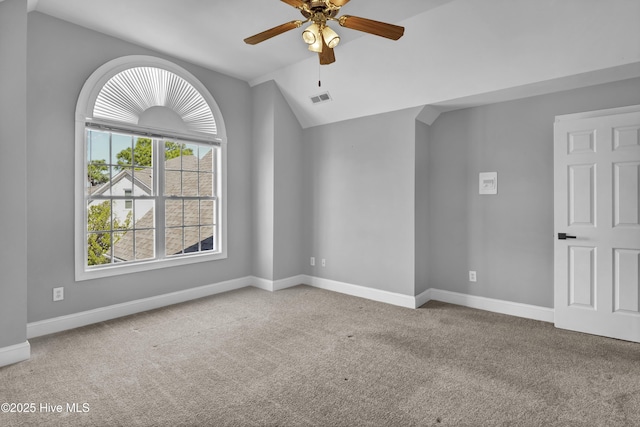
{"points": [[338, 3], [295, 3], [272, 32], [382, 29], [326, 56]]}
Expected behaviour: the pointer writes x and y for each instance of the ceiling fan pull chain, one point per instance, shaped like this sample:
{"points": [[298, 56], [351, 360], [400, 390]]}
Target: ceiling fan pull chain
{"points": [[319, 79]]}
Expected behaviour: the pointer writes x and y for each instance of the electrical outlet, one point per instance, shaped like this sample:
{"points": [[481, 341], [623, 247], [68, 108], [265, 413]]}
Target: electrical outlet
{"points": [[313, 261], [472, 276], [324, 262], [58, 294]]}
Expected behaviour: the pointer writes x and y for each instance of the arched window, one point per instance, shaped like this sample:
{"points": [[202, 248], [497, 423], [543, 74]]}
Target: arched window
{"points": [[150, 170]]}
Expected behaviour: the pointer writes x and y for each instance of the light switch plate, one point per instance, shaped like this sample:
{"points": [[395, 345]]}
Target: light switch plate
{"points": [[488, 183]]}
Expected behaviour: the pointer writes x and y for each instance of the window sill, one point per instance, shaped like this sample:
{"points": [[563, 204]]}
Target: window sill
{"points": [[119, 269]]}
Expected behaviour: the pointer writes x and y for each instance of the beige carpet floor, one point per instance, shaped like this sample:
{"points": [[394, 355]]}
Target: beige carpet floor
{"points": [[305, 356]]}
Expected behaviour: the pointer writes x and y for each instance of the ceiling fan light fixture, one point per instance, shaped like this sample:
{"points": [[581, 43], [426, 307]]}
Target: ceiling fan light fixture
{"points": [[311, 34], [317, 46], [331, 38]]}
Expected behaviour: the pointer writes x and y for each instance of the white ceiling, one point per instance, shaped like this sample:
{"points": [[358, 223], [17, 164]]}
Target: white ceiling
{"points": [[454, 53]]}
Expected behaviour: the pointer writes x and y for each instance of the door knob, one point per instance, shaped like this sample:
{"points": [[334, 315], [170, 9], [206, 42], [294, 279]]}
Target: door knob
{"points": [[564, 236]]}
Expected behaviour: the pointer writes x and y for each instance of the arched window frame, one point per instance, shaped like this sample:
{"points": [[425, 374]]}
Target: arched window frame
{"points": [[84, 115]]}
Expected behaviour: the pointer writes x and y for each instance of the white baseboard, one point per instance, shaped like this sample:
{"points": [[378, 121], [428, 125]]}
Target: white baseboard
{"points": [[527, 311], [276, 285], [488, 304], [76, 320], [260, 283], [15, 353], [290, 282], [335, 286], [362, 292], [423, 298]]}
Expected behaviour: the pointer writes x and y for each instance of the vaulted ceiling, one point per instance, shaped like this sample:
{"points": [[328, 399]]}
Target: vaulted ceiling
{"points": [[455, 53]]}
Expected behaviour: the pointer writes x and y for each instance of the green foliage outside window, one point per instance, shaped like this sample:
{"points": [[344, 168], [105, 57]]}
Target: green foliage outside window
{"points": [[97, 172], [142, 153], [99, 244]]}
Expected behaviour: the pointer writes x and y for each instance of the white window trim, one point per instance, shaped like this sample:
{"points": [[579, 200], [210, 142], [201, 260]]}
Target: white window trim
{"points": [[84, 112]]}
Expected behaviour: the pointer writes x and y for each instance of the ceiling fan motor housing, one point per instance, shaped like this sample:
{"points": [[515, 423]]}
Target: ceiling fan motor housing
{"points": [[317, 5], [319, 11]]}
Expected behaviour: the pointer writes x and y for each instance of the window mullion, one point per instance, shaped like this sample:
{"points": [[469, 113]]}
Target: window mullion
{"points": [[158, 159], [217, 192]]}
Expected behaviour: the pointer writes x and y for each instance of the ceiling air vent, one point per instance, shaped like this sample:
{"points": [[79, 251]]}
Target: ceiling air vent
{"points": [[323, 97]]}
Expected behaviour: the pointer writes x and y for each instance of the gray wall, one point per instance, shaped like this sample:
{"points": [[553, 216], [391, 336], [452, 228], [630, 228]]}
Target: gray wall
{"points": [[262, 180], [13, 172], [277, 186], [422, 206], [288, 251], [359, 186], [61, 56], [506, 238]]}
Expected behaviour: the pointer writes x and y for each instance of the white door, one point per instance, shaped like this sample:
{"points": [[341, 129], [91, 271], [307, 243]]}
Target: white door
{"points": [[597, 207]]}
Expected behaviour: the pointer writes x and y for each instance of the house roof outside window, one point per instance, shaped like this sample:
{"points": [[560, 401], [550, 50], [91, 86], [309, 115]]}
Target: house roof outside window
{"points": [[188, 182]]}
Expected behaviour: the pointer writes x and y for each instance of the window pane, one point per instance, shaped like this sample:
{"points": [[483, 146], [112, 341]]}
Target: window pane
{"points": [[121, 148], [97, 155], [172, 155], [92, 144], [206, 184], [190, 157], [173, 213], [142, 153], [145, 245], [121, 217], [99, 179], [98, 248], [143, 180], [97, 175], [206, 212], [97, 145], [191, 212], [189, 162], [172, 183], [173, 241], [205, 155], [191, 239], [123, 246], [189, 183], [98, 215], [144, 214], [206, 238], [122, 181]]}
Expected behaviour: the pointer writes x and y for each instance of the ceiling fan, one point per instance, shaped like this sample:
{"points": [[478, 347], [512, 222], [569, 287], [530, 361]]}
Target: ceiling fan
{"points": [[319, 36]]}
